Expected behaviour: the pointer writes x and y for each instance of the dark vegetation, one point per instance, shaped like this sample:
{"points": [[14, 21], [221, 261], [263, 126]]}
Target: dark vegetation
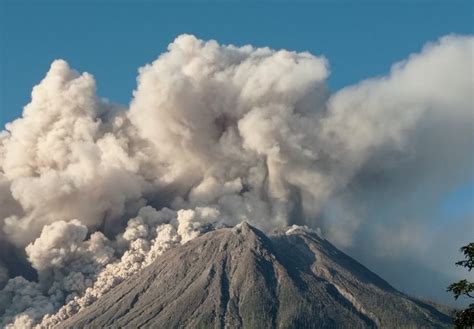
{"points": [[465, 318]]}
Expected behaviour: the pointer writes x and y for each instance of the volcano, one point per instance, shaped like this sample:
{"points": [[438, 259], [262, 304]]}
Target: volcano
{"points": [[241, 278]]}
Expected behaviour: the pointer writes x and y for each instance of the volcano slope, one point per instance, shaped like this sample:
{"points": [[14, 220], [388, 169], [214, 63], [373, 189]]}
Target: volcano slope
{"points": [[240, 278]]}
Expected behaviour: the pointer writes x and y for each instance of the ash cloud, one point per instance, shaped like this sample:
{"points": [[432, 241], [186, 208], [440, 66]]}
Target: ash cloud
{"points": [[91, 192]]}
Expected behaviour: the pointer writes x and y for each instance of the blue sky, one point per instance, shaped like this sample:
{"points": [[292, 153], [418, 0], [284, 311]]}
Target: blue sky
{"points": [[113, 39]]}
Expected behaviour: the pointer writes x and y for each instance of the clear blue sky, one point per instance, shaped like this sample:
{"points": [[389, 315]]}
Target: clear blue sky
{"points": [[112, 39]]}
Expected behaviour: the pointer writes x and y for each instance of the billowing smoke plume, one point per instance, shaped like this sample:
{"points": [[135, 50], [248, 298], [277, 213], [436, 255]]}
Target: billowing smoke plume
{"points": [[92, 192]]}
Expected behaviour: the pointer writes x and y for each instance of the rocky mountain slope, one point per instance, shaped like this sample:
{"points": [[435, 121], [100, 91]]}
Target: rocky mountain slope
{"points": [[241, 278]]}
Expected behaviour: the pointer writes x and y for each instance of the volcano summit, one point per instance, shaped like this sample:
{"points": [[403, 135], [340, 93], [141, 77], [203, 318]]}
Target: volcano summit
{"points": [[241, 278]]}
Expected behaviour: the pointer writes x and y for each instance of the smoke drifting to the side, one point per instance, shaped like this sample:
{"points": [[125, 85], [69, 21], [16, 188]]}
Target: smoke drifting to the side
{"points": [[91, 192]]}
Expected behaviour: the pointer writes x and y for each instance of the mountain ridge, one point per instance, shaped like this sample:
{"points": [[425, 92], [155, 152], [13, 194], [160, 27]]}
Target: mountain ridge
{"points": [[241, 278]]}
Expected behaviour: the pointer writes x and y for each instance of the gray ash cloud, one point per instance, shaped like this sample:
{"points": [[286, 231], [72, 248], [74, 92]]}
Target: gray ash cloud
{"points": [[91, 192]]}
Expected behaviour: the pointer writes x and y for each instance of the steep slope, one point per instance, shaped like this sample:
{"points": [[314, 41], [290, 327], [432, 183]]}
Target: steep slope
{"points": [[240, 278]]}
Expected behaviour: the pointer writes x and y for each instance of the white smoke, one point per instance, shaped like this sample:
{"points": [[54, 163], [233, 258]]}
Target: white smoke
{"points": [[93, 192]]}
